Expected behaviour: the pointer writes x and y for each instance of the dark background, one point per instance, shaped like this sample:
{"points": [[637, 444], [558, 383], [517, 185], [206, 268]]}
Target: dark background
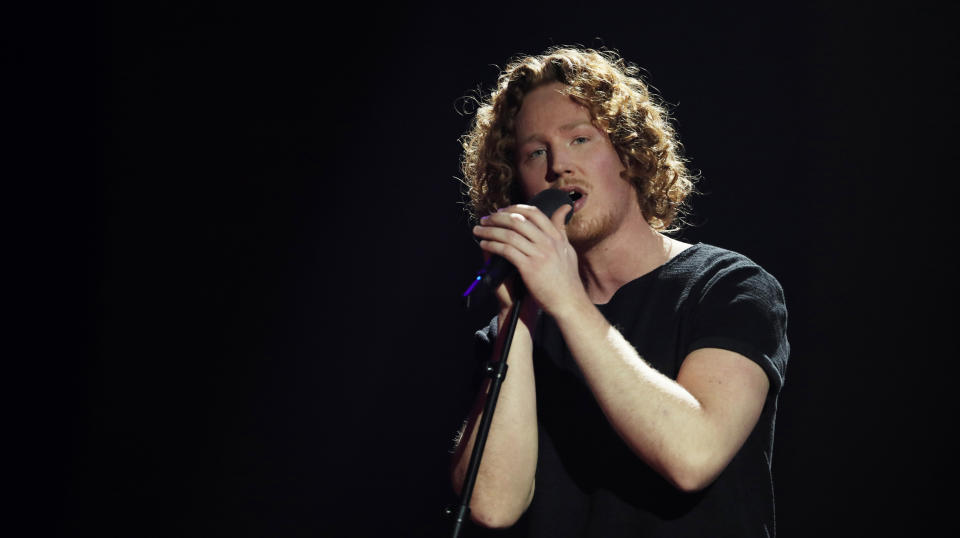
{"points": [[240, 247]]}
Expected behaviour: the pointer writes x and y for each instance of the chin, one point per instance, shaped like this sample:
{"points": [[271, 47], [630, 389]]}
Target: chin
{"points": [[585, 232]]}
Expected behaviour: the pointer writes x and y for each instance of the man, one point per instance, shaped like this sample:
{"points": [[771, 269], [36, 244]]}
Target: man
{"points": [[644, 371]]}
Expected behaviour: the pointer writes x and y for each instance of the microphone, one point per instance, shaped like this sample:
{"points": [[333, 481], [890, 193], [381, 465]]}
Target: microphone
{"points": [[497, 268]]}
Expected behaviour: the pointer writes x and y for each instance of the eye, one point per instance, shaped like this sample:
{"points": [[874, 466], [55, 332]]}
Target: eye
{"points": [[536, 153], [580, 140]]}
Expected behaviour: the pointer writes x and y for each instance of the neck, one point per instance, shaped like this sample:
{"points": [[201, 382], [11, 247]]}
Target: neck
{"points": [[630, 253]]}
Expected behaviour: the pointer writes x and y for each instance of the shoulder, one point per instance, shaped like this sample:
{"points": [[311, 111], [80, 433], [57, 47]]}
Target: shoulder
{"points": [[738, 306], [705, 255], [708, 267]]}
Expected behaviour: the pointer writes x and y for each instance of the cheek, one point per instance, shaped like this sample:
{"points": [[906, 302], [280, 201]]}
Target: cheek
{"points": [[610, 162], [531, 182], [611, 167]]}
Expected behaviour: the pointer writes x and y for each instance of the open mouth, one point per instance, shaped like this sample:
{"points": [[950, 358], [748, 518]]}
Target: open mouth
{"points": [[577, 197]]}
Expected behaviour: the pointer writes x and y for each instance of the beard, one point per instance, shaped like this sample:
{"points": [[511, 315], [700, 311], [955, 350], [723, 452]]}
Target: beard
{"points": [[583, 232]]}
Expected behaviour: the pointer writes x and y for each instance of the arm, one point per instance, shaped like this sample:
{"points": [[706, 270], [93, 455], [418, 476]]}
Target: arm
{"points": [[687, 429], [505, 480]]}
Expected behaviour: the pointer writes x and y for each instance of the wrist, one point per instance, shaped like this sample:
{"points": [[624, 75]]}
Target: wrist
{"points": [[573, 310]]}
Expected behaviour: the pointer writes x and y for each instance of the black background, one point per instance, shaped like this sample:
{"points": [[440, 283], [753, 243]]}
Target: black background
{"points": [[239, 249]]}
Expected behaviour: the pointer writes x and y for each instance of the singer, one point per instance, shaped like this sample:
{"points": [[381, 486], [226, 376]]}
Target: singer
{"points": [[644, 372]]}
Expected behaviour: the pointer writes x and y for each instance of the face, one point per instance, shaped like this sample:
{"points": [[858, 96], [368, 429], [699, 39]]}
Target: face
{"points": [[558, 146]]}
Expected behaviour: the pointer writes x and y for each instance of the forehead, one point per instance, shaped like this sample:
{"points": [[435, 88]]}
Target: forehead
{"points": [[546, 109]]}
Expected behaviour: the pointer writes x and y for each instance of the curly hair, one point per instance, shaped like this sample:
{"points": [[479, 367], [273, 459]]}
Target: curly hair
{"points": [[621, 105]]}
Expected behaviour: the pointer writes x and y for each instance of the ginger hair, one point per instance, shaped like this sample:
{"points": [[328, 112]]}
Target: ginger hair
{"points": [[620, 104]]}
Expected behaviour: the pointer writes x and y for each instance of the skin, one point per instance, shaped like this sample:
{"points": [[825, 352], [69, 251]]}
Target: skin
{"points": [[686, 429]]}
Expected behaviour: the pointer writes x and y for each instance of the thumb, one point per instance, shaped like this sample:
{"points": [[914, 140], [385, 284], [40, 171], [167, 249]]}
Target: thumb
{"points": [[559, 217]]}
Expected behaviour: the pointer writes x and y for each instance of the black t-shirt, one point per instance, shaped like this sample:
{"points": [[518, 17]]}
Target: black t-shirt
{"points": [[589, 483]]}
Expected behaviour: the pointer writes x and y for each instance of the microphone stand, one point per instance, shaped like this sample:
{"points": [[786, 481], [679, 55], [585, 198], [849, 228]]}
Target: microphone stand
{"points": [[497, 372]]}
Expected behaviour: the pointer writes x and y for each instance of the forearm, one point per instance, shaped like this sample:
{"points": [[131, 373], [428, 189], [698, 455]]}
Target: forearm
{"points": [[662, 421], [505, 479]]}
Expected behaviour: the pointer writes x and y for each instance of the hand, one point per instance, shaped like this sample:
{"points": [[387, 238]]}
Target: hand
{"points": [[538, 247]]}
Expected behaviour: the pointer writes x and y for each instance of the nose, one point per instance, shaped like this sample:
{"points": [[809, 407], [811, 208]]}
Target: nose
{"points": [[559, 166]]}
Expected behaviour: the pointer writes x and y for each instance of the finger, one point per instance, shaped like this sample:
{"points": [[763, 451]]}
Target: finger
{"points": [[536, 217], [508, 236], [511, 253], [517, 221]]}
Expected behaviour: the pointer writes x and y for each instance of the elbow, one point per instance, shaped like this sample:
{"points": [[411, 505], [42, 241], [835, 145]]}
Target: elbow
{"points": [[690, 482], [498, 512], [691, 475], [492, 511], [494, 519]]}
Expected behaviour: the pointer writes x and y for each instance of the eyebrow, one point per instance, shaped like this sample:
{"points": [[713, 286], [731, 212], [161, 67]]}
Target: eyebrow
{"points": [[565, 127], [575, 124]]}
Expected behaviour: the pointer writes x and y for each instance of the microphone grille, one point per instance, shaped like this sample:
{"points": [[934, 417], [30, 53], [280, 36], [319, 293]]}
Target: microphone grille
{"points": [[550, 200]]}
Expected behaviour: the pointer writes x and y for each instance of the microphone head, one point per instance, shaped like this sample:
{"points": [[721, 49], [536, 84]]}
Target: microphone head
{"points": [[497, 268], [550, 200]]}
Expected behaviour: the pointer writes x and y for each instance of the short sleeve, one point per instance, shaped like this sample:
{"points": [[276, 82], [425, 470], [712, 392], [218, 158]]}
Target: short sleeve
{"points": [[483, 343], [741, 308]]}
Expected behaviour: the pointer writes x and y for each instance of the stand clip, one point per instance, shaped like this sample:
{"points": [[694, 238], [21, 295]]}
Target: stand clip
{"points": [[494, 371]]}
